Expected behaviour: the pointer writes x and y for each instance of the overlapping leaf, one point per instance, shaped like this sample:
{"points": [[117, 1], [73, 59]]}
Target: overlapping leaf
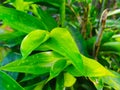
{"points": [[40, 63], [32, 41], [92, 69], [62, 42]]}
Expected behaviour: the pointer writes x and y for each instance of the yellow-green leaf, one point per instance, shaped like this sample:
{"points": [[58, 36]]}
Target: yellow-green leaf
{"points": [[69, 80], [32, 41]]}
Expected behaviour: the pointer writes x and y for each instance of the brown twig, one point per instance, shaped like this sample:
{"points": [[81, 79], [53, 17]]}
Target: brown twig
{"points": [[99, 37]]}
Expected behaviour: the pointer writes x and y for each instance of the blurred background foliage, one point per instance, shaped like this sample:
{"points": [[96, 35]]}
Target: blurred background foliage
{"points": [[82, 17]]}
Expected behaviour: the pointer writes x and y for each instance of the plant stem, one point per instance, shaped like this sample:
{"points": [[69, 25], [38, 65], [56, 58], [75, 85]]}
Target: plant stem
{"points": [[85, 20], [62, 13], [99, 37]]}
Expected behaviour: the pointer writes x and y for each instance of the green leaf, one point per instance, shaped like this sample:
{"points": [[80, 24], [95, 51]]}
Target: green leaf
{"points": [[111, 46], [99, 84], [40, 63], [57, 67], [69, 80], [7, 83], [91, 69], [116, 37], [62, 42], [32, 41], [81, 43], [60, 82], [113, 81], [11, 39], [20, 20], [46, 18]]}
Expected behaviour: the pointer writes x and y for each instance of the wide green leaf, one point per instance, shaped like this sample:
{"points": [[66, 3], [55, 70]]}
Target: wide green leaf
{"points": [[32, 41], [40, 63], [20, 20], [62, 42], [7, 83], [91, 69]]}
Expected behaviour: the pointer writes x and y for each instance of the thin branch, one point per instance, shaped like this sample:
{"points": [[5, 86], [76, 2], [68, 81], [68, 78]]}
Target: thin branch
{"points": [[99, 37]]}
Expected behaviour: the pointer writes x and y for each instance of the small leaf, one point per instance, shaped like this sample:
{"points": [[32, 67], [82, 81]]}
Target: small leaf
{"points": [[32, 41], [116, 37], [40, 63], [111, 46], [69, 80], [7, 83], [57, 67], [99, 84]]}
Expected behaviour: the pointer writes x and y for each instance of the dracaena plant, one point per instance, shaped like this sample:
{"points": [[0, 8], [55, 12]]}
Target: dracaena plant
{"points": [[54, 52]]}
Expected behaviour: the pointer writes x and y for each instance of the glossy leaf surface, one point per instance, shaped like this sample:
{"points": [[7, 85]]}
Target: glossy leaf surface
{"points": [[40, 63], [20, 20], [92, 69], [32, 41], [57, 67]]}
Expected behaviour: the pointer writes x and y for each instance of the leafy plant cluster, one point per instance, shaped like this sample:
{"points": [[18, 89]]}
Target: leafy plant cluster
{"points": [[59, 45]]}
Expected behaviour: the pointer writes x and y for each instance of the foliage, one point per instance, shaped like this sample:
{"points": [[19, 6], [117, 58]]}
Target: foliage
{"points": [[59, 45]]}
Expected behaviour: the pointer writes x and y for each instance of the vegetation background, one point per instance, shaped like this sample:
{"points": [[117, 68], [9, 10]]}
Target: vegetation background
{"points": [[59, 45]]}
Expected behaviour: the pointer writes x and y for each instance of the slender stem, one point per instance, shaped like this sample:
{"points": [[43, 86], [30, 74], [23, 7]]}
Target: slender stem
{"points": [[85, 20], [99, 37], [62, 13], [77, 15]]}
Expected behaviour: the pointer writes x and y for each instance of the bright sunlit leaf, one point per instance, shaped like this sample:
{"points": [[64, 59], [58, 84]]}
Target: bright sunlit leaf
{"points": [[92, 69], [32, 41], [69, 80]]}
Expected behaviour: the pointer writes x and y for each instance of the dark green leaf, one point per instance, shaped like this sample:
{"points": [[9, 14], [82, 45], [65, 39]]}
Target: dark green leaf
{"points": [[47, 19], [20, 20], [59, 82], [11, 39], [57, 67], [7, 83]]}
